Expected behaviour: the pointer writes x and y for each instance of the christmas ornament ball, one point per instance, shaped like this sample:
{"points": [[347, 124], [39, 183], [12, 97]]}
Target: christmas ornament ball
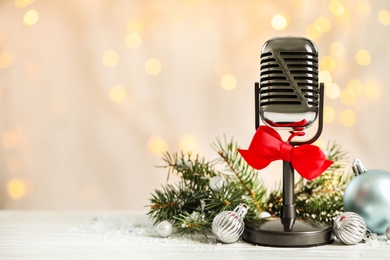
{"points": [[368, 194], [216, 183], [349, 228], [164, 228], [228, 226], [388, 232]]}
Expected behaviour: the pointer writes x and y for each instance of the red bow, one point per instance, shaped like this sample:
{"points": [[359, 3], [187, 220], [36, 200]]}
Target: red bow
{"points": [[268, 146]]}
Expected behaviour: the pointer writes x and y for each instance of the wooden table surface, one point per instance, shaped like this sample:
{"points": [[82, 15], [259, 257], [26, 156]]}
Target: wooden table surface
{"points": [[129, 235]]}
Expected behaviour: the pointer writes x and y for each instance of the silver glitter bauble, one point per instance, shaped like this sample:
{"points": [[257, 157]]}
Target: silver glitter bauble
{"points": [[164, 228], [368, 194], [228, 226], [216, 183], [349, 228]]}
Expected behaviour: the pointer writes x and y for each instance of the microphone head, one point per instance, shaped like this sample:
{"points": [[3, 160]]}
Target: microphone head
{"points": [[289, 89]]}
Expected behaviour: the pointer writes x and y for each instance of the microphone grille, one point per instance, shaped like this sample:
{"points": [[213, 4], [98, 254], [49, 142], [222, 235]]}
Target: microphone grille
{"points": [[289, 77]]}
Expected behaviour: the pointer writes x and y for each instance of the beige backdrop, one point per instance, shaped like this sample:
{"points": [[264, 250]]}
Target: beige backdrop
{"points": [[92, 91]]}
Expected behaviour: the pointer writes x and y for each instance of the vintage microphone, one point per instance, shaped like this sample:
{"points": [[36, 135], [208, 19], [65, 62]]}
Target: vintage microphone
{"points": [[289, 97]]}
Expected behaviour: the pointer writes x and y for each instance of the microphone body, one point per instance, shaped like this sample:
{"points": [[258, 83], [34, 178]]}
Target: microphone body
{"points": [[289, 97], [288, 93]]}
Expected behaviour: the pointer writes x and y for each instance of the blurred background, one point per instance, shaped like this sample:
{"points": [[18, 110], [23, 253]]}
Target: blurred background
{"points": [[93, 91]]}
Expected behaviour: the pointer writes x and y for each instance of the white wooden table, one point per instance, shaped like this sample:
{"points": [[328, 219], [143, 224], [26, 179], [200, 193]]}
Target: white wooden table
{"points": [[127, 235]]}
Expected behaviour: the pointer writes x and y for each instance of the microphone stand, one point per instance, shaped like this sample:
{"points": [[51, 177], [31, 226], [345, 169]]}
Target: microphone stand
{"points": [[288, 231]]}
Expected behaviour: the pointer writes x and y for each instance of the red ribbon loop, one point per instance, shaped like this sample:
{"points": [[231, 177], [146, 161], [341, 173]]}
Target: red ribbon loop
{"points": [[267, 146]]}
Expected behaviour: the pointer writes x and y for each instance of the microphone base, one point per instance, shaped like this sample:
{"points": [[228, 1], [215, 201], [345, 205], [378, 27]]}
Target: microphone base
{"points": [[303, 234]]}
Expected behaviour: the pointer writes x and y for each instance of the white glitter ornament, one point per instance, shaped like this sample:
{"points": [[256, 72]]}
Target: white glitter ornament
{"points": [[216, 183], [349, 228], [164, 228], [228, 226]]}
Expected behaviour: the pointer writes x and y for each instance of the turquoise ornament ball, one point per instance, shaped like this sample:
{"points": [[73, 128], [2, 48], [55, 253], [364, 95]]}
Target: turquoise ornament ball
{"points": [[368, 194]]}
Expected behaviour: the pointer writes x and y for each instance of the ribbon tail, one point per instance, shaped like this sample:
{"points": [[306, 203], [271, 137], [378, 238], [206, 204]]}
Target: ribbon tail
{"points": [[253, 160], [315, 170]]}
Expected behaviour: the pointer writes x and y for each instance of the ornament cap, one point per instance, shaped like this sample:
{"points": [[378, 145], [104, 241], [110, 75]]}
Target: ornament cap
{"points": [[241, 210], [358, 167]]}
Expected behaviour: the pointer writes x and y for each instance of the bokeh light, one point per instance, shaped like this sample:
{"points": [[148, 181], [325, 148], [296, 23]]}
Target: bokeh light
{"points": [[279, 22], [135, 25], [118, 94], [347, 97], [371, 90], [363, 57], [348, 117], [16, 188], [325, 77], [110, 58], [329, 114], [356, 87], [153, 66], [328, 63], [133, 40], [228, 82], [23, 3], [336, 8], [337, 49], [157, 145], [363, 8], [384, 17], [332, 91], [31, 17], [189, 143], [323, 24], [313, 31]]}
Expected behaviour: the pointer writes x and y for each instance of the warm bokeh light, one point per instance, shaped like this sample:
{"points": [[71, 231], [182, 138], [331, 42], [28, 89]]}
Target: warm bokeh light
{"points": [[356, 87], [31, 17], [348, 117], [157, 145], [23, 3], [332, 91], [328, 63], [325, 77], [347, 97], [110, 58], [135, 25], [313, 31], [279, 22], [16, 188], [5, 59], [153, 67], [384, 17], [336, 8], [228, 82], [337, 49], [363, 8], [363, 57], [329, 114], [133, 40], [118, 94], [323, 24], [371, 90], [9, 139], [190, 143]]}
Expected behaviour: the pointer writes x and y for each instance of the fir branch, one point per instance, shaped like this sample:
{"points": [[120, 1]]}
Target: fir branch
{"points": [[247, 176]]}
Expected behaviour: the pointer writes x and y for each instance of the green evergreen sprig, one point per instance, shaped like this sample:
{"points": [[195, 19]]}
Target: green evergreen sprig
{"points": [[190, 204]]}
